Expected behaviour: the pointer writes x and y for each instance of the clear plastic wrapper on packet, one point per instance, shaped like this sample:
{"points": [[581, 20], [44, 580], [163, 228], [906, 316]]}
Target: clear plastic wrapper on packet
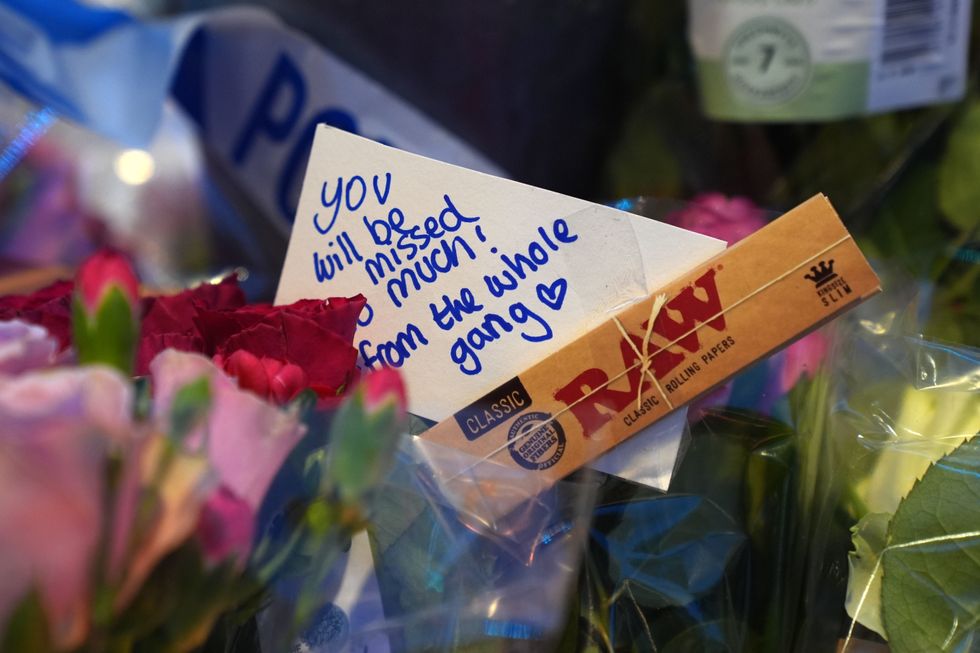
{"points": [[891, 481], [750, 304], [454, 576]]}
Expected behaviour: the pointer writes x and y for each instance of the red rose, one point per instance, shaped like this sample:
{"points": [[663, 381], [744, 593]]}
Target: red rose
{"points": [[169, 321], [49, 307], [265, 377], [274, 351], [311, 337]]}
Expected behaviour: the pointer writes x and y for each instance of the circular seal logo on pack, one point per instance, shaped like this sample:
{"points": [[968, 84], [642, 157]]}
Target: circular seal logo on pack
{"points": [[329, 631], [767, 62], [536, 443]]}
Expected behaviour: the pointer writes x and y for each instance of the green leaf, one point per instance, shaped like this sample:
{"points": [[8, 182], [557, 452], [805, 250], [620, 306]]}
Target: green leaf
{"points": [[907, 227], [845, 160], [642, 162], [27, 628], [191, 405], [923, 426], [931, 567], [142, 398], [362, 448], [708, 637], [959, 192], [305, 402], [109, 337], [863, 602]]}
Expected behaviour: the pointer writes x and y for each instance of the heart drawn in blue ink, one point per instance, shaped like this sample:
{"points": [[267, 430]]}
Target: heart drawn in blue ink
{"points": [[553, 296]]}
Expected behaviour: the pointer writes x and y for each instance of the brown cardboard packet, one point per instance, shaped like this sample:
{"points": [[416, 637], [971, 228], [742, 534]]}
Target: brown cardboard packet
{"points": [[767, 290]]}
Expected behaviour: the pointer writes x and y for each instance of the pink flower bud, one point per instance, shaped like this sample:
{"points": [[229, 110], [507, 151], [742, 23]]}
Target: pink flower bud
{"points": [[383, 387], [727, 218], [802, 359], [225, 527], [100, 273]]}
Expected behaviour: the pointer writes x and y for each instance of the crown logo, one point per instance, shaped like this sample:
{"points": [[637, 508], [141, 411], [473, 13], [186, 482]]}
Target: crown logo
{"points": [[821, 273]]}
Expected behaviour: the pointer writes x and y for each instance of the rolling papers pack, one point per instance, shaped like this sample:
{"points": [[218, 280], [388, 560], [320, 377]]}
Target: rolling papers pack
{"points": [[767, 290]]}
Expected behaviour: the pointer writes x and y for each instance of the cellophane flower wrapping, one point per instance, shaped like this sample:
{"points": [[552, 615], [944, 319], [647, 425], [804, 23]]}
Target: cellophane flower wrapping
{"points": [[459, 574], [709, 564], [890, 486], [706, 566]]}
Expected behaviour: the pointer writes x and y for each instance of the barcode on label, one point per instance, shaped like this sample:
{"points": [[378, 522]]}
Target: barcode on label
{"points": [[912, 30]]}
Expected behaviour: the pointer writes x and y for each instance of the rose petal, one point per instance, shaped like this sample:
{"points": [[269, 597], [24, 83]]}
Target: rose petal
{"points": [[58, 426], [49, 307], [226, 527], [248, 439], [152, 344], [25, 346], [172, 319], [248, 370]]}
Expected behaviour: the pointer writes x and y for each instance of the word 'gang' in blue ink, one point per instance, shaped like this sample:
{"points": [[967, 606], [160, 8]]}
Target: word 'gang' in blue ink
{"points": [[349, 196], [464, 349], [453, 310], [327, 267], [393, 353], [518, 266]]}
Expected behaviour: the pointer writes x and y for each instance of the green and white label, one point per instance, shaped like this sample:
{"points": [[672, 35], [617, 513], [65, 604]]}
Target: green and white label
{"points": [[767, 61], [772, 60]]}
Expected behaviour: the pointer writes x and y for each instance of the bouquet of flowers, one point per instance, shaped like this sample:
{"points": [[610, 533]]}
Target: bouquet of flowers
{"points": [[170, 464]]}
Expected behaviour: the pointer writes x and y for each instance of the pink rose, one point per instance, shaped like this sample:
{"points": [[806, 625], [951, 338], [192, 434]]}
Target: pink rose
{"points": [[246, 439], [106, 311], [58, 427], [713, 214], [364, 435], [802, 359], [384, 388], [225, 527]]}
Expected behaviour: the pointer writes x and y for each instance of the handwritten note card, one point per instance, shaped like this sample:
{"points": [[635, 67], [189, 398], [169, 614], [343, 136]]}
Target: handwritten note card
{"points": [[469, 278]]}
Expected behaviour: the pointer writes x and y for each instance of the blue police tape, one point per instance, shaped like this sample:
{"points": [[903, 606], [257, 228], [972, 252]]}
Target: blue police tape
{"points": [[255, 89]]}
